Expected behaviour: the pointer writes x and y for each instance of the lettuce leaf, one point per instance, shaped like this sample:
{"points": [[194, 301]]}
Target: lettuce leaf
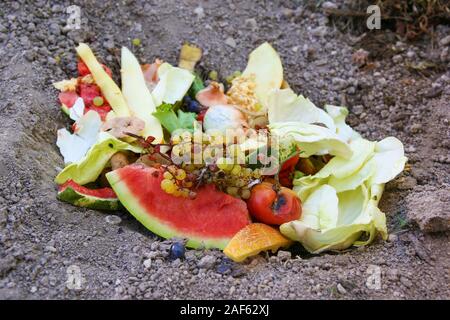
{"points": [[340, 202], [286, 106], [89, 167], [312, 139], [172, 121], [343, 130]]}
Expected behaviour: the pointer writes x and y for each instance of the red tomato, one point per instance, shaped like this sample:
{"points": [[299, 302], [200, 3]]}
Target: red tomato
{"points": [[272, 205], [83, 70], [287, 170], [68, 98]]}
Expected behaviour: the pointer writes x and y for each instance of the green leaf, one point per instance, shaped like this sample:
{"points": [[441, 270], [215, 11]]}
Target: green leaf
{"points": [[172, 121], [340, 202], [91, 165], [196, 86]]}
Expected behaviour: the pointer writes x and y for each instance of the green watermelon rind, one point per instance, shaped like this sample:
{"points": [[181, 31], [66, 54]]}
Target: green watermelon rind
{"points": [[65, 109], [154, 224], [87, 201]]}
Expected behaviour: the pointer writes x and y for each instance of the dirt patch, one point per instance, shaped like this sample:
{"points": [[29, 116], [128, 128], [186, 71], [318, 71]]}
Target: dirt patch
{"points": [[45, 243]]}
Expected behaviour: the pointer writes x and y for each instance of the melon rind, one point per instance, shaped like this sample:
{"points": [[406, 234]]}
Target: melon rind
{"points": [[87, 201], [154, 224]]}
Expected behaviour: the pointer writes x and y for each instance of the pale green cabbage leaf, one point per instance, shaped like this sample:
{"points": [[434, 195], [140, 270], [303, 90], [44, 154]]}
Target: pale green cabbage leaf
{"points": [[89, 168], [173, 84], [340, 202], [286, 106], [312, 139]]}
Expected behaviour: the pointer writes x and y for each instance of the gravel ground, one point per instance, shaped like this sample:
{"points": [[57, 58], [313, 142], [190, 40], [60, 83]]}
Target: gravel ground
{"points": [[42, 240]]}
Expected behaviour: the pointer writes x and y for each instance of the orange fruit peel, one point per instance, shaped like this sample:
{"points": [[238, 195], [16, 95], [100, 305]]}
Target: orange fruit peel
{"points": [[253, 239]]}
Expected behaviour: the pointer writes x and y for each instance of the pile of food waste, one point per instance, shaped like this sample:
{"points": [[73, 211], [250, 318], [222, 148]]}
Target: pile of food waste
{"points": [[244, 166]]}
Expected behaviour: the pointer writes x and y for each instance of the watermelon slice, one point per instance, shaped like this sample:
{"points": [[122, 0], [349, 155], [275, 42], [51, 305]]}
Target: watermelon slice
{"points": [[100, 199], [209, 220]]}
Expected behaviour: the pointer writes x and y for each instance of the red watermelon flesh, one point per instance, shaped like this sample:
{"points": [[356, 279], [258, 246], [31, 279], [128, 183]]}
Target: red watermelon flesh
{"points": [[211, 219]]}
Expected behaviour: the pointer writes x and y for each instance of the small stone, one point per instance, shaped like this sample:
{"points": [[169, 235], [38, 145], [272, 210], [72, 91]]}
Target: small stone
{"points": [[444, 56], [50, 249], [147, 263], [55, 29], [445, 41], [416, 127], [33, 289], [358, 109], [199, 12], [410, 54], [207, 262], [251, 23], [341, 289], [406, 282], [109, 44], [406, 183], [230, 42], [392, 237], [284, 255], [397, 58], [112, 219], [287, 13], [360, 57], [339, 83], [329, 5], [319, 31]]}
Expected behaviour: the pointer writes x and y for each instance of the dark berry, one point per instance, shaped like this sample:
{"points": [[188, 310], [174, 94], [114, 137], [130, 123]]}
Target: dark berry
{"points": [[177, 251], [194, 106]]}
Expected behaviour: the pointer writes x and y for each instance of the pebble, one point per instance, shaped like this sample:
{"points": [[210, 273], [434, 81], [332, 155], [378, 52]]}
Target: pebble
{"points": [[199, 12], [339, 83], [284, 255], [358, 109], [55, 29], [406, 183], [230, 42], [112, 219], [397, 58], [207, 262], [329, 5], [415, 128], [251, 23], [147, 263], [287, 13], [445, 41], [410, 54], [319, 31], [392, 237], [341, 289], [50, 249]]}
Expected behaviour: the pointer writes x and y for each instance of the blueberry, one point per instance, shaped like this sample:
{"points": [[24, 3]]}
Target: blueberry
{"points": [[177, 251], [194, 106]]}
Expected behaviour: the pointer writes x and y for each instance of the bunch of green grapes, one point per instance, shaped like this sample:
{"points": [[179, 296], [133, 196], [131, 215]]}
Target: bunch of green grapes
{"points": [[177, 182], [222, 168]]}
